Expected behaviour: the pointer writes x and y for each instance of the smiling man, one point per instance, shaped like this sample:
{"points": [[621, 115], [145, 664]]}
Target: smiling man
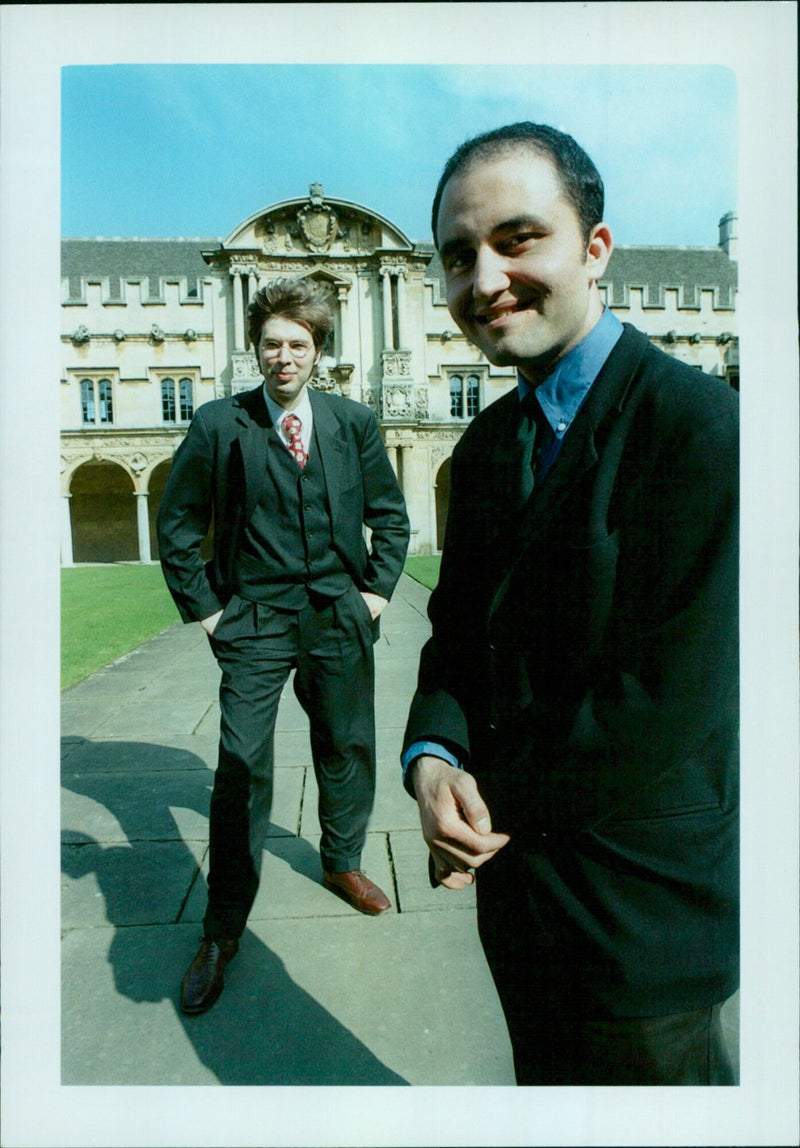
{"points": [[572, 744], [290, 477]]}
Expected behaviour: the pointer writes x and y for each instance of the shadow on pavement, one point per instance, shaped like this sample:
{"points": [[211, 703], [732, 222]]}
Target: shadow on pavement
{"points": [[265, 1029]]}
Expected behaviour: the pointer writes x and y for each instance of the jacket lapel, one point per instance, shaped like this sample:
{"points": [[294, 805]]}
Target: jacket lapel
{"points": [[327, 432], [580, 450], [253, 423]]}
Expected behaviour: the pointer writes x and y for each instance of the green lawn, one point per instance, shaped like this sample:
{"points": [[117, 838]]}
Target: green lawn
{"points": [[424, 569], [106, 611]]}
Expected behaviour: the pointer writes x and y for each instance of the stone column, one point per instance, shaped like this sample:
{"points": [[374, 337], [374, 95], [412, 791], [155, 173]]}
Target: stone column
{"points": [[252, 276], [392, 453], [402, 325], [433, 524], [238, 310], [66, 531], [388, 337], [143, 524], [399, 464]]}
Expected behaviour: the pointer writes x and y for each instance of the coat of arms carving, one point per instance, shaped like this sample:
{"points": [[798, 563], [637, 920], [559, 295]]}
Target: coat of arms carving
{"points": [[318, 224]]}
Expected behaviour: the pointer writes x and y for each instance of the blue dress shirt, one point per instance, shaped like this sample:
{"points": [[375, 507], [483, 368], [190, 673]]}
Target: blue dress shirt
{"points": [[560, 396]]}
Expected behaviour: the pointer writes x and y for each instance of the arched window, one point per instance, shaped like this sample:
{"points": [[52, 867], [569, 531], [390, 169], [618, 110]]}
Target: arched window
{"points": [[96, 401], [456, 397], [473, 396], [104, 401], [176, 405], [465, 392], [168, 400], [187, 405], [87, 400]]}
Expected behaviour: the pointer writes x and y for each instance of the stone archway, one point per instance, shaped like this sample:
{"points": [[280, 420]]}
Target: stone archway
{"points": [[442, 487], [155, 492], [103, 512]]}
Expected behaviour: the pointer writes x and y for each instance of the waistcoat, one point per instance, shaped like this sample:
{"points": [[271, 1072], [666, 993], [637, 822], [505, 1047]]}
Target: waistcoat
{"points": [[287, 547]]}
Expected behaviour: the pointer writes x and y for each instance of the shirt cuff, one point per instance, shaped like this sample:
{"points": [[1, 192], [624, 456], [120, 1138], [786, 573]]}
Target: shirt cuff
{"points": [[418, 748]]}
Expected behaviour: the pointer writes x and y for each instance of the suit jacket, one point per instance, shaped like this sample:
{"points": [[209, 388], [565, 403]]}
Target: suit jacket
{"points": [[584, 666], [218, 474]]}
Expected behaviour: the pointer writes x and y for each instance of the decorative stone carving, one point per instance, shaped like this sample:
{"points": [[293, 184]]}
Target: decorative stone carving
{"points": [[421, 409], [396, 363], [695, 338], [398, 400], [285, 268], [325, 382], [323, 378], [138, 462], [189, 335], [369, 397], [671, 337], [244, 365], [436, 434], [156, 334], [439, 454], [343, 374], [80, 335], [119, 336]]}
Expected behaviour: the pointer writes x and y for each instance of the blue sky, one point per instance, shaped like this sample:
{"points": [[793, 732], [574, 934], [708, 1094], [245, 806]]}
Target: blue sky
{"points": [[192, 150]]}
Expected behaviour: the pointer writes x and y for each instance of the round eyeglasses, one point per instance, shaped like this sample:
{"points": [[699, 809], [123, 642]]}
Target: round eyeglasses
{"points": [[271, 348]]}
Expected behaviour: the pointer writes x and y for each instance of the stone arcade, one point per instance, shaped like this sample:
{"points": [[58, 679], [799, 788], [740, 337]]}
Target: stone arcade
{"points": [[153, 328]]}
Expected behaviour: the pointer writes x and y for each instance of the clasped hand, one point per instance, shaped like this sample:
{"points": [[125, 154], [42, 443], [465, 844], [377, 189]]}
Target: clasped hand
{"points": [[455, 821]]}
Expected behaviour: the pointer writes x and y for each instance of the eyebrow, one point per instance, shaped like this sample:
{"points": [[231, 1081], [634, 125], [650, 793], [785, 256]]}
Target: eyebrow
{"points": [[518, 223]]}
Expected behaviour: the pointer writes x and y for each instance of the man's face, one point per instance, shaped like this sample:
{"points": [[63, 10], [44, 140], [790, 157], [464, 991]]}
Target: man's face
{"points": [[520, 280], [287, 357]]}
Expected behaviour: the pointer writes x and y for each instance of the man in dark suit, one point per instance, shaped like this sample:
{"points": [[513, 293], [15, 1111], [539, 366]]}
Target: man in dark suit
{"points": [[574, 732], [290, 477]]}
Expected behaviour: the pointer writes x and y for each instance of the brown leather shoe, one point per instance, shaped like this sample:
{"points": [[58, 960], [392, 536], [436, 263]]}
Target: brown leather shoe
{"points": [[205, 980], [357, 889]]}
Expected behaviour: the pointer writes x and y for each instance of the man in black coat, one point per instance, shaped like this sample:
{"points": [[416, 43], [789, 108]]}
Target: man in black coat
{"points": [[574, 732], [289, 477]]}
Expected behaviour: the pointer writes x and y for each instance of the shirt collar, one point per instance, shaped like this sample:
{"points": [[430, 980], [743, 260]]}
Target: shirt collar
{"points": [[302, 409], [560, 395]]}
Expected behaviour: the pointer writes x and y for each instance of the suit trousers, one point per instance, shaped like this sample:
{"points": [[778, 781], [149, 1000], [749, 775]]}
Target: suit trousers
{"points": [[329, 645], [555, 1041]]}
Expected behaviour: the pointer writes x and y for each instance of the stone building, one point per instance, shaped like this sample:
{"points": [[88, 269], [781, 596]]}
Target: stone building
{"points": [[153, 328]]}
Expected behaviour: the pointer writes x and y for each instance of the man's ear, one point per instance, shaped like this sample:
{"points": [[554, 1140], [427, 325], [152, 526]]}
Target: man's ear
{"points": [[598, 251]]}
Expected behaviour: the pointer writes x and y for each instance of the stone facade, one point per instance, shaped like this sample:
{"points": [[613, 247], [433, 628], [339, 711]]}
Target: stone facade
{"points": [[154, 328]]}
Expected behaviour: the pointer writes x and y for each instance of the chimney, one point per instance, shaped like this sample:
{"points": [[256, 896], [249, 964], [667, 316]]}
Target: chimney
{"points": [[728, 238]]}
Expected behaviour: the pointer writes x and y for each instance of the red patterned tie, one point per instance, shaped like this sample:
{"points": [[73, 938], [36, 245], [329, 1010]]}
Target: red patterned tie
{"points": [[292, 424]]}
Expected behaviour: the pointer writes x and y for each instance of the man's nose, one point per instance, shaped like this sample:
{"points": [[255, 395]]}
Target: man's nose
{"points": [[284, 353], [489, 274]]}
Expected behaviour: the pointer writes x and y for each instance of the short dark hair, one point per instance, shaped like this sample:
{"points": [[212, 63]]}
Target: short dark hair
{"points": [[301, 300], [580, 179]]}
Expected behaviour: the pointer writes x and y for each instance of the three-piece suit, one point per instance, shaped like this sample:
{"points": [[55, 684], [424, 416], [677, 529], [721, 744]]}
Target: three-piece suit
{"points": [[290, 560], [583, 666]]}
